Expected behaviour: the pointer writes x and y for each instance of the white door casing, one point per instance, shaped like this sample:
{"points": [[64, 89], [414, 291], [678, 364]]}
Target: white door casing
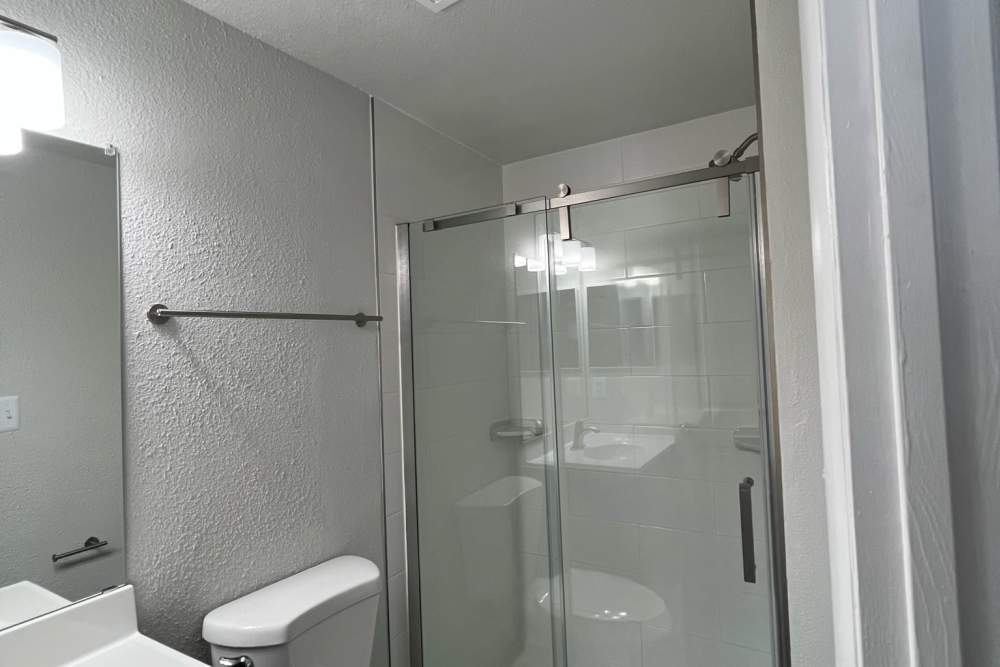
{"points": [[888, 499]]}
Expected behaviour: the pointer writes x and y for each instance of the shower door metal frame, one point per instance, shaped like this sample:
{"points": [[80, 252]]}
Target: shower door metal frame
{"points": [[408, 410], [756, 238]]}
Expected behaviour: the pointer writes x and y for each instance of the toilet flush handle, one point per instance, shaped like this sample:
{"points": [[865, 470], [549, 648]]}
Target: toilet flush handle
{"points": [[242, 661]]}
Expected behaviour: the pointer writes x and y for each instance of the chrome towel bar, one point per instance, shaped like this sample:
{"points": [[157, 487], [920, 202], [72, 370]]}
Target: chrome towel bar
{"points": [[160, 314], [91, 544]]}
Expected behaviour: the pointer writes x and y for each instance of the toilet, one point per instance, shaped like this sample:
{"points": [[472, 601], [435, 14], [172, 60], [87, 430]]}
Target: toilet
{"points": [[321, 617], [606, 626]]}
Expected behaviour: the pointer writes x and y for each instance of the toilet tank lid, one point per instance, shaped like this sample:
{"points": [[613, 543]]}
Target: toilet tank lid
{"points": [[284, 610]]}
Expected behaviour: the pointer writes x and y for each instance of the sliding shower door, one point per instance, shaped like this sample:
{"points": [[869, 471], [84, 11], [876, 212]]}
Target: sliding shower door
{"points": [[482, 503], [662, 447], [587, 446]]}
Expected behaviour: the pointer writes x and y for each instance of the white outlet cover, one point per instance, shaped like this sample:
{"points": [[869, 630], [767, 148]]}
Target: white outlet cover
{"points": [[437, 6]]}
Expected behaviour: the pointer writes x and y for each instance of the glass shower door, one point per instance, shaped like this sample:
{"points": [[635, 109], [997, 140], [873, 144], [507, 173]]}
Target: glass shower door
{"points": [[662, 447], [483, 503]]}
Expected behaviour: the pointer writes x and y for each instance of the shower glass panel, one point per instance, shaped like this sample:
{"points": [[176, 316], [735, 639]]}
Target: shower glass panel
{"points": [[482, 398], [588, 455], [662, 448]]}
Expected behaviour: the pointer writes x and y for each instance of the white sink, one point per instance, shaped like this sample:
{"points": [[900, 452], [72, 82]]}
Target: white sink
{"points": [[98, 631], [25, 600], [611, 450]]}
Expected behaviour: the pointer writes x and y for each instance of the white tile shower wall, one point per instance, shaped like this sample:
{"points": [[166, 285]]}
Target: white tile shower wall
{"points": [[665, 150], [419, 173]]}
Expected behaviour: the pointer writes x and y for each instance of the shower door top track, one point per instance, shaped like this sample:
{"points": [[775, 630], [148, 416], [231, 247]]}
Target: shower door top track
{"points": [[748, 165]]}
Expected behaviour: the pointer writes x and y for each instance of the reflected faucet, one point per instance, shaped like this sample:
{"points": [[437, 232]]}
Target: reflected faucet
{"points": [[580, 431]]}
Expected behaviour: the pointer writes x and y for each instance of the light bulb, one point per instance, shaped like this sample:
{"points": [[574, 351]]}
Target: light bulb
{"points": [[31, 80], [571, 252], [11, 139], [520, 261], [557, 246]]}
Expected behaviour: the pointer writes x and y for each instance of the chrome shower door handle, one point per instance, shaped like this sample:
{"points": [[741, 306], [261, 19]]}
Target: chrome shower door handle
{"points": [[241, 661], [746, 531]]}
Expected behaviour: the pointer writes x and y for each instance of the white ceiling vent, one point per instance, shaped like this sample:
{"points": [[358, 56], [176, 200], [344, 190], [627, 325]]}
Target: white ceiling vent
{"points": [[437, 5]]}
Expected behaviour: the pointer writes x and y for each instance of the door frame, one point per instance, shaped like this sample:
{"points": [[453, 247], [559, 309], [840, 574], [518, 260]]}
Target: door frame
{"points": [[884, 441]]}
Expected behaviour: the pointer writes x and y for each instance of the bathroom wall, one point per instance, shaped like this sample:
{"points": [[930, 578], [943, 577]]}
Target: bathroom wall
{"points": [[665, 150], [252, 448], [962, 57], [421, 173]]}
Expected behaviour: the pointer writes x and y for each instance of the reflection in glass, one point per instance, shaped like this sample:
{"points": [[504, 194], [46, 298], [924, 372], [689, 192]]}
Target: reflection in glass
{"points": [[585, 413], [656, 421]]}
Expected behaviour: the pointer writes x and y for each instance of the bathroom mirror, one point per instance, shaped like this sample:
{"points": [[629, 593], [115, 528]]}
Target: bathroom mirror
{"points": [[62, 521]]}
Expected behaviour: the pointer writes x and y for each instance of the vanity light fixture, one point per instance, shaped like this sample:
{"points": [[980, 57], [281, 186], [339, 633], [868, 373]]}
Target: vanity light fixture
{"points": [[31, 81], [588, 258], [11, 140], [557, 246], [571, 253]]}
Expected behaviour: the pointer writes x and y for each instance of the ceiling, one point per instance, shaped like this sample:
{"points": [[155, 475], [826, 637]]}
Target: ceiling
{"points": [[519, 78]]}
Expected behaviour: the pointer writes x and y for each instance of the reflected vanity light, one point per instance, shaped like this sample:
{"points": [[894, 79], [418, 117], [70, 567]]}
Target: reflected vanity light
{"points": [[557, 245], [635, 282], [572, 253], [11, 139], [31, 79]]}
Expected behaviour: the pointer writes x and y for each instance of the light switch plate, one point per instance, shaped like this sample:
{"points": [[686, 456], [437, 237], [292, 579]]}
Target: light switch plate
{"points": [[10, 419]]}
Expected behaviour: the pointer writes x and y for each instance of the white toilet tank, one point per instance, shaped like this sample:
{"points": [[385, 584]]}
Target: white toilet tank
{"points": [[322, 617]]}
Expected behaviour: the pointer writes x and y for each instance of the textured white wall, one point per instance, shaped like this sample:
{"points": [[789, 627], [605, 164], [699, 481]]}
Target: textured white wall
{"points": [[419, 173], [252, 448], [965, 172]]}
